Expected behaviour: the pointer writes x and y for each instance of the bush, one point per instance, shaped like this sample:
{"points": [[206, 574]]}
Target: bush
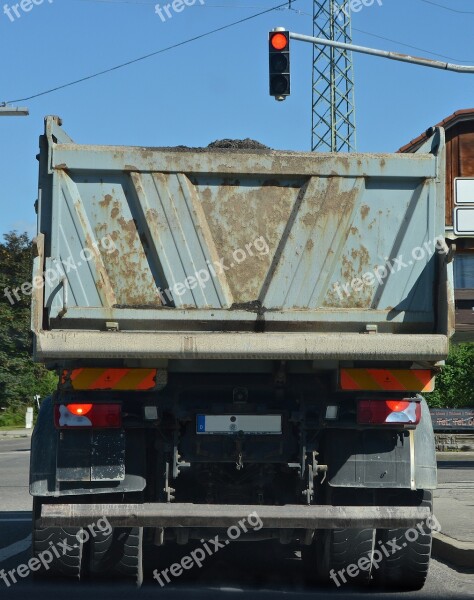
{"points": [[11, 417], [455, 384], [20, 378]]}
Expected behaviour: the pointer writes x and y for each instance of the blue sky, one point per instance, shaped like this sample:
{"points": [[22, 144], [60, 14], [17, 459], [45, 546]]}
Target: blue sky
{"points": [[213, 88]]}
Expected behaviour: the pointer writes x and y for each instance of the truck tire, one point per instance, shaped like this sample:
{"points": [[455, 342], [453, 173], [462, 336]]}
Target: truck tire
{"points": [[334, 550], [119, 552], [60, 547], [405, 568], [338, 549]]}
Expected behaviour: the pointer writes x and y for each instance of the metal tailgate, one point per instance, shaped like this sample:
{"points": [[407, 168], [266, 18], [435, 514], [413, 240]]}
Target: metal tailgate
{"points": [[172, 241]]}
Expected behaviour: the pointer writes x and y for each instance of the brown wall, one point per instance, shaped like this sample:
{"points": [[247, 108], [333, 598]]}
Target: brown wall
{"points": [[460, 163], [459, 160]]}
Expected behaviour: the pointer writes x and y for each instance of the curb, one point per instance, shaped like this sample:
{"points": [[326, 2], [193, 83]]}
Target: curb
{"points": [[459, 554], [20, 433], [455, 454]]}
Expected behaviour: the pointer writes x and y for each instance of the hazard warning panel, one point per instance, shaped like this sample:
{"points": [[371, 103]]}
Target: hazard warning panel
{"points": [[111, 379], [393, 380]]}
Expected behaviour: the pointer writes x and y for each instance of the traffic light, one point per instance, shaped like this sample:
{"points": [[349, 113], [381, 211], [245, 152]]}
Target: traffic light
{"points": [[280, 79]]}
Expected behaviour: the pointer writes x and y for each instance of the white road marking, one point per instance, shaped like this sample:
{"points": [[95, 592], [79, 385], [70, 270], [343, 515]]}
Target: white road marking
{"points": [[14, 549], [15, 452]]}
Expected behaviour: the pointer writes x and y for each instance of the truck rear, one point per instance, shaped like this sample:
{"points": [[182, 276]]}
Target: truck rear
{"points": [[243, 339]]}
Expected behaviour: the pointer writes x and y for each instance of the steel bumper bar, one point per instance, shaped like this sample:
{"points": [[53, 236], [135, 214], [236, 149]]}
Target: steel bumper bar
{"points": [[223, 516], [292, 346]]}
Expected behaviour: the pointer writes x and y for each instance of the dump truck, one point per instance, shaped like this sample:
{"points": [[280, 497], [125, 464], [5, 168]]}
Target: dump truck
{"points": [[243, 338]]}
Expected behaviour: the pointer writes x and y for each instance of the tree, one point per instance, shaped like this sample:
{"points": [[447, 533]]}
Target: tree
{"points": [[20, 377], [455, 384]]}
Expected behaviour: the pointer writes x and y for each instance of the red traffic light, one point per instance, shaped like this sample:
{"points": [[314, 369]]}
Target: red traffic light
{"points": [[279, 41], [279, 62]]}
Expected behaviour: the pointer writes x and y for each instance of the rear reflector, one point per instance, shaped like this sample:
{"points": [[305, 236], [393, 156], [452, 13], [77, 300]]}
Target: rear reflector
{"points": [[388, 412], [92, 416], [125, 380], [392, 380]]}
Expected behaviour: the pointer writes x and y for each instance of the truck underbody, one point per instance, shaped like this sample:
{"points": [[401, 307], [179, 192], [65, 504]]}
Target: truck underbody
{"points": [[195, 459]]}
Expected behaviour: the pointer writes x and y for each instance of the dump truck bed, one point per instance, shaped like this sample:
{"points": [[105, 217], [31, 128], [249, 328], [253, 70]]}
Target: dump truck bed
{"points": [[182, 253]]}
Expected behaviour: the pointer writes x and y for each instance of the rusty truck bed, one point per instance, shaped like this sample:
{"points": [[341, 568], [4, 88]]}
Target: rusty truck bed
{"points": [[162, 253]]}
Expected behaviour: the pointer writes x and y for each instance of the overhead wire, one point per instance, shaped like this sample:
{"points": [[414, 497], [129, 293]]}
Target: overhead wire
{"points": [[285, 5], [149, 55], [450, 8], [152, 2], [393, 41]]}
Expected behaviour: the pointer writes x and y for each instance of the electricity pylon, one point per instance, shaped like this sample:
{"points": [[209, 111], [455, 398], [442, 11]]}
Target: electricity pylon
{"points": [[333, 123]]}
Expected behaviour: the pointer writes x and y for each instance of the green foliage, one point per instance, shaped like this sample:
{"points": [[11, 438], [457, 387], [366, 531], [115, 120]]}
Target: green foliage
{"points": [[455, 384], [20, 378], [10, 418]]}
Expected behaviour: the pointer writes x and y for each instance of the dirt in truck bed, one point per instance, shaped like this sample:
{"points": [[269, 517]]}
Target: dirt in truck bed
{"points": [[221, 145], [246, 144]]}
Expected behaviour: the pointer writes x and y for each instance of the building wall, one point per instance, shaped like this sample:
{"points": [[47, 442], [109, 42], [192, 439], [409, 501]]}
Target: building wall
{"points": [[459, 163], [459, 160]]}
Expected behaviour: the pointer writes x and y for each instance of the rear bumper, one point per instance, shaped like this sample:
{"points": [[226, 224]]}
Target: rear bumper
{"points": [[63, 345], [223, 516]]}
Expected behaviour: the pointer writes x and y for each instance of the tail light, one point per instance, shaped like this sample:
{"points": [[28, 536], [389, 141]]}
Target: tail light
{"points": [[388, 412], [92, 416], [79, 410]]}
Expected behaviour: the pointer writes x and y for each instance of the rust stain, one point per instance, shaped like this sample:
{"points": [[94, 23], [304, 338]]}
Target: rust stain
{"points": [[364, 211], [128, 226], [352, 291], [126, 264], [363, 256], [146, 154], [106, 201], [156, 225], [240, 216]]}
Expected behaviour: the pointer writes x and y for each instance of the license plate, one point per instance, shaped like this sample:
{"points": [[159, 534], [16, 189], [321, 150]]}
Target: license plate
{"points": [[231, 424]]}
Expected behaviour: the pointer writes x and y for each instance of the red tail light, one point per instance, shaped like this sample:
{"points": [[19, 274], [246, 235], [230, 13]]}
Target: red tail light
{"points": [[88, 416], [80, 410], [388, 412]]}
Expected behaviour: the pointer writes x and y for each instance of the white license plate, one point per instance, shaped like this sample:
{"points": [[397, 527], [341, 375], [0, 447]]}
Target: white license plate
{"points": [[230, 424]]}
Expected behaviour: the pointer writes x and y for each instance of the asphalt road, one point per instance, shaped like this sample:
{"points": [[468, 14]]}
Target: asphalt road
{"points": [[259, 570], [456, 468]]}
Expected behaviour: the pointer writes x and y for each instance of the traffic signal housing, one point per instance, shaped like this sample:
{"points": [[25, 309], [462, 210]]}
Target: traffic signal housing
{"points": [[280, 78]]}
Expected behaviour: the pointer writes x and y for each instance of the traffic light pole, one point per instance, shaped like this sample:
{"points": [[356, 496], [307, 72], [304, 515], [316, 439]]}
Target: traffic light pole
{"points": [[414, 60], [13, 111]]}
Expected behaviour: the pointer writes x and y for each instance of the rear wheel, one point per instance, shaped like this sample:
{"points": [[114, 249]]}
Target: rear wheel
{"points": [[341, 556], [59, 549], [406, 567], [118, 552]]}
